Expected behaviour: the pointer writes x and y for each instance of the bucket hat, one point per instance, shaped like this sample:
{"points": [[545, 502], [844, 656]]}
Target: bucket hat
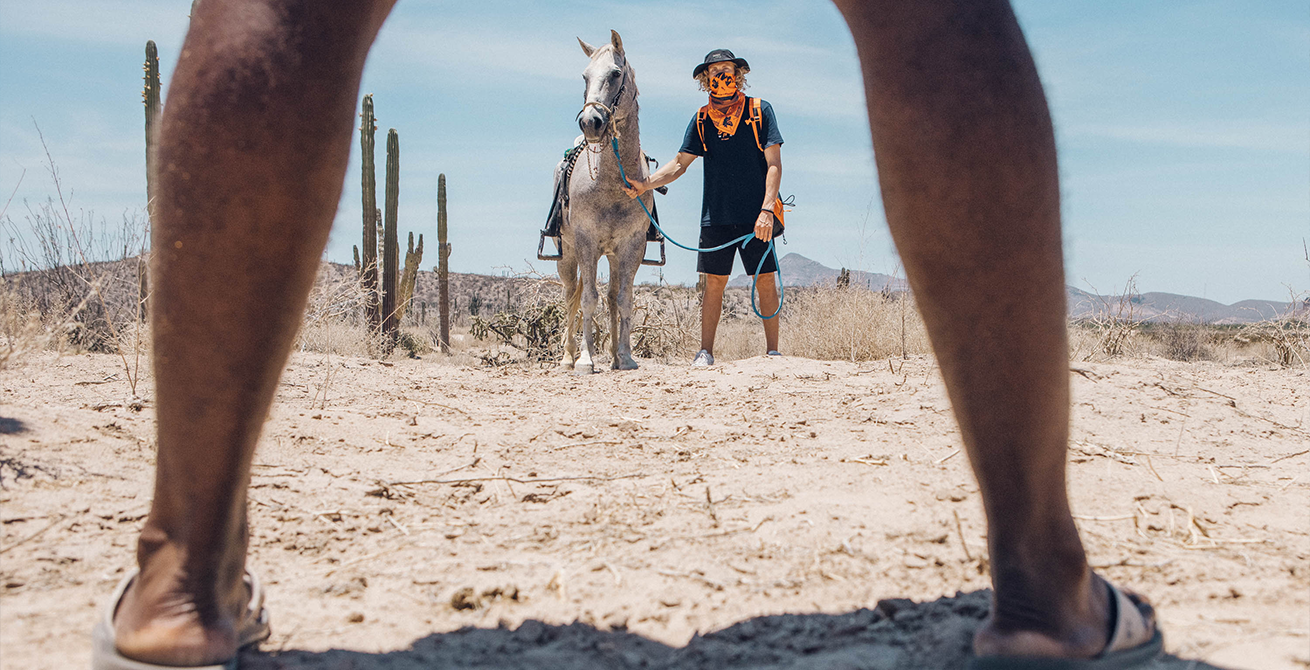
{"points": [[720, 56]]}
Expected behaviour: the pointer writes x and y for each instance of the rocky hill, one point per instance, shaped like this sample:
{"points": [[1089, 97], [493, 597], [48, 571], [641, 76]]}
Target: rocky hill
{"points": [[798, 270]]}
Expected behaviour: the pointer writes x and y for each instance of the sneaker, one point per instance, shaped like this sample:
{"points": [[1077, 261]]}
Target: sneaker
{"points": [[703, 359], [775, 352]]}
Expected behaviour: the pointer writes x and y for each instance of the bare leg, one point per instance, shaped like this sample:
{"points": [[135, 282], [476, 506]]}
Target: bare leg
{"points": [[767, 291], [966, 160], [711, 308], [265, 89]]}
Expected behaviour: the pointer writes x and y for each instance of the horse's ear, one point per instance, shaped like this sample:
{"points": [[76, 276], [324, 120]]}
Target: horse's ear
{"points": [[586, 48], [616, 41]]}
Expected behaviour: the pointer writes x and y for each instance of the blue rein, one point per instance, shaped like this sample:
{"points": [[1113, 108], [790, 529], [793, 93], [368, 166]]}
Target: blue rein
{"points": [[744, 240]]}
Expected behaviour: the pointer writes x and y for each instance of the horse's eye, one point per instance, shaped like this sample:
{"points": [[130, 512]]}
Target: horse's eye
{"points": [[614, 74]]}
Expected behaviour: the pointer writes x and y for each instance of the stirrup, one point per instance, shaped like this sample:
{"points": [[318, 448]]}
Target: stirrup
{"points": [[651, 261], [559, 253]]}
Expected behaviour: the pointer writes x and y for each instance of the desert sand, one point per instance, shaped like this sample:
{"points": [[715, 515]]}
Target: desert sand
{"points": [[763, 513]]}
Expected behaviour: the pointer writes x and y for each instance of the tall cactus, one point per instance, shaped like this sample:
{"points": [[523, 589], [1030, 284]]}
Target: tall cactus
{"points": [[390, 245], [368, 261], [413, 259], [149, 96], [443, 267]]}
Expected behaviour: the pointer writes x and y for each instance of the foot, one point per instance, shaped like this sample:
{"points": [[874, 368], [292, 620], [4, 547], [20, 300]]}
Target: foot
{"points": [[1083, 636], [624, 363], [703, 359], [160, 620], [775, 352]]}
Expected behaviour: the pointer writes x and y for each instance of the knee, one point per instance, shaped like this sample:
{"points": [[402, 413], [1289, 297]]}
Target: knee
{"points": [[715, 283]]}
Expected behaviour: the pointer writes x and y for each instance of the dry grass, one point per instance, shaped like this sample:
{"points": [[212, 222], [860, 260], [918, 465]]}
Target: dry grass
{"points": [[56, 295], [822, 323], [853, 324], [60, 303], [70, 281]]}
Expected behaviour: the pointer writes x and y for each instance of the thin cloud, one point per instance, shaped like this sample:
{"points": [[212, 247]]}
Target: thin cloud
{"points": [[123, 22], [1227, 134]]}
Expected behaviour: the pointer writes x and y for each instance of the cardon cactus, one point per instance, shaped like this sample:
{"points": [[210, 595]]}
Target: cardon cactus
{"points": [[368, 260], [390, 245], [149, 96], [413, 258], [443, 268]]}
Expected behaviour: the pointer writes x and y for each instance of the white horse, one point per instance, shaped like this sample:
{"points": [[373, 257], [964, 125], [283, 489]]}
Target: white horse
{"points": [[600, 219]]}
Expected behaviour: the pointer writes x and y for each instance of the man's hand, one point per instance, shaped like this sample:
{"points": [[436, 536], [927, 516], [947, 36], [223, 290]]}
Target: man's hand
{"points": [[764, 225], [636, 187]]}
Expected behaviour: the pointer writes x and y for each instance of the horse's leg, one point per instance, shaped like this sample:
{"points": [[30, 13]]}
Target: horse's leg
{"points": [[612, 296], [623, 272], [568, 276], [587, 259]]}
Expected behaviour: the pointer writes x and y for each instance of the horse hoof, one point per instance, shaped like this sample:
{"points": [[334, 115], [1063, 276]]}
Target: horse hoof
{"points": [[582, 370], [564, 367], [626, 365]]}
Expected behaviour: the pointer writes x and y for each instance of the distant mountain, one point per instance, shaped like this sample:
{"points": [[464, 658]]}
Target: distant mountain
{"points": [[1162, 307], [798, 270]]}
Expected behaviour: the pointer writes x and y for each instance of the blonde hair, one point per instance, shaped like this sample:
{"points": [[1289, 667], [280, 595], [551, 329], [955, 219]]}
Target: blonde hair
{"points": [[738, 73]]}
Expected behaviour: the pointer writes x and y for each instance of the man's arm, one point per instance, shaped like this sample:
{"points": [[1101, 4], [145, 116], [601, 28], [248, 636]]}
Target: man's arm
{"points": [[667, 174], [772, 182]]}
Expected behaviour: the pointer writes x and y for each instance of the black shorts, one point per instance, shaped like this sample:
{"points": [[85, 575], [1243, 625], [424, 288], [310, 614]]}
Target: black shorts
{"points": [[720, 262]]}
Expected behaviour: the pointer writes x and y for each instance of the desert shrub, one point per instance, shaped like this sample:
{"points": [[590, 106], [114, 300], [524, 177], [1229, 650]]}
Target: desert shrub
{"points": [[1288, 336], [73, 282], [1115, 325], [334, 320], [665, 322], [535, 329], [1183, 341], [531, 322], [416, 343], [852, 323]]}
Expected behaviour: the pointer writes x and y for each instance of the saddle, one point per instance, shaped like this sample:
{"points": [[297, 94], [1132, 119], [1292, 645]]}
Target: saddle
{"points": [[555, 219]]}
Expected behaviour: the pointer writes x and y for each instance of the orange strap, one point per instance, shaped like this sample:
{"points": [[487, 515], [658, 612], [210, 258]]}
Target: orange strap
{"points": [[755, 125], [700, 127]]}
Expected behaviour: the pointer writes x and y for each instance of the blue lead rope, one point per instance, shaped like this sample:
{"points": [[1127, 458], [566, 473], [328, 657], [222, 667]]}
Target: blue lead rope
{"points": [[744, 240]]}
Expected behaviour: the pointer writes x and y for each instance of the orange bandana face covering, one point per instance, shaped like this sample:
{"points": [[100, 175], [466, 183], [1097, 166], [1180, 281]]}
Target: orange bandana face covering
{"points": [[726, 103], [723, 85]]}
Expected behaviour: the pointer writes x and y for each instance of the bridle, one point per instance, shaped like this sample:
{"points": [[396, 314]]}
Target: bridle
{"points": [[609, 109]]}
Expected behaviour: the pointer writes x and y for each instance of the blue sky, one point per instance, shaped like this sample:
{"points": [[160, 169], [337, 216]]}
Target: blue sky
{"points": [[1183, 128]]}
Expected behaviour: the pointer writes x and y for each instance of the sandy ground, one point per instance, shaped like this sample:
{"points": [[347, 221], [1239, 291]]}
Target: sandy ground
{"points": [[749, 515]]}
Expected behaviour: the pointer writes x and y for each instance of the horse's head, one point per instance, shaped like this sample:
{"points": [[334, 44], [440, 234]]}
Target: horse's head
{"points": [[609, 82]]}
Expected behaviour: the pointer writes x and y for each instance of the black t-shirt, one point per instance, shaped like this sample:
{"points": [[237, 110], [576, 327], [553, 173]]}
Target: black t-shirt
{"points": [[734, 168]]}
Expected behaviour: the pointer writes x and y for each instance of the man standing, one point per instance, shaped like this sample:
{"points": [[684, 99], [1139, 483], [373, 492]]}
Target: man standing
{"points": [[738, 136]]}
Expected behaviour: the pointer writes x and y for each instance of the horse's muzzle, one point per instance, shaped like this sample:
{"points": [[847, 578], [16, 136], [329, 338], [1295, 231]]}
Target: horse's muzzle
{"points": [[592, 122]]}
